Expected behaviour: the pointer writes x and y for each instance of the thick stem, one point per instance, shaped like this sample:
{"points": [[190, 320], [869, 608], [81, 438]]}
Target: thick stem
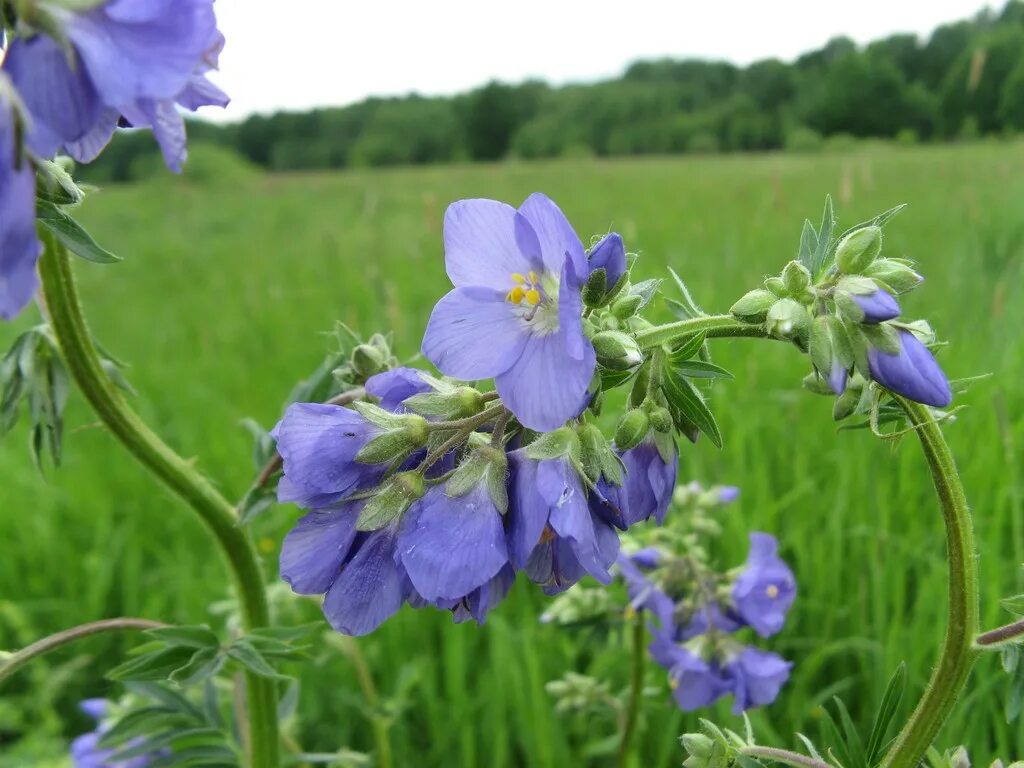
{"points": [[784, 756], [69, 326], [636, 691], [715, 326], [958, 652], [1001, 635], [18, 659]]}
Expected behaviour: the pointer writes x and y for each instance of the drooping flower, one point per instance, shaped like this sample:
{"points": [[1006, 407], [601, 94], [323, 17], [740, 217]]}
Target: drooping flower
{"points": [[451, 546], [478, 603], [755, 677], [394, 386], [646, 489], [710, 617], [87, 753], [877, 306], [911, 372], [766, 588], [551, 531], [19, 245], [694, 682], [515, 312], [128, 58], [644, 594]]}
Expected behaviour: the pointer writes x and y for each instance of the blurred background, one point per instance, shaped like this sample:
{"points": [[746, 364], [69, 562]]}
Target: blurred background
{"points": [[704, 138]]}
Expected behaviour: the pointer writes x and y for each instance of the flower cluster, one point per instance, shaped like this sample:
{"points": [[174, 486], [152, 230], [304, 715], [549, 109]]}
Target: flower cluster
{"points": [[437, 493], [86, 751], [71, 75]]}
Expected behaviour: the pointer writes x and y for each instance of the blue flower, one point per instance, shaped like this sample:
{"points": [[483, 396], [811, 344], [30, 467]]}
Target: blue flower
{"points": [[87, 753], [877, 306], [911, 372], [644, 594], [515, 312], [551, 530], [837, 377], [694, 682], [766, 588], [393, 387], [709, 617], [478, 603], [318, 444], [19, 245], [610, 255], [451, 546], [755, 677], [646, 489], [130, 58]]}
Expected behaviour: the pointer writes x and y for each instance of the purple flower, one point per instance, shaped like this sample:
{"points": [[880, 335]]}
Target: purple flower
{"points": [[358, 573], [395, 386], [86, 751], [766, 588], [877, 306], [478, 603], [449, 546], [19, 245], [709, 617], [551, 530], [694, 682], [911, 372], [755, 677], [646, 489], [643, 593], [837, 377], [318, 444], [131, 58], [727, 494], [609, 255], [515, 311]]}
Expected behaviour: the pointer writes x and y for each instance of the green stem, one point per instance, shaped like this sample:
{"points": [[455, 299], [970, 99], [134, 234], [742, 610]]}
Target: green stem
{"points": [[71, 330], [18, 659], [958, 651], [715, 326], [636, 691], [379, 722], [784, 756]]}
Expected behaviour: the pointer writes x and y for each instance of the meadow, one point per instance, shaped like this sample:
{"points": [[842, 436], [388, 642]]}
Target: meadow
{"points": [[222, 304]]}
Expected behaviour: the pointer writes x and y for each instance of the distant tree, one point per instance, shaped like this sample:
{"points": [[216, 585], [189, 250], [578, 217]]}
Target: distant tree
{"points": [[974, 87]]}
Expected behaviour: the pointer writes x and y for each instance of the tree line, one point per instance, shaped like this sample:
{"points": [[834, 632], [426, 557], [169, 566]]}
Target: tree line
{"points": [[965, 80]]}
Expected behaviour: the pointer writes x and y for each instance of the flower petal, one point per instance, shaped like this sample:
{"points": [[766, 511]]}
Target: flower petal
{"points": [[474, 334], [313, 551], [912, 372], [396, 385], [369, 589], [528, 511], [558, 240], [168, 128], [486, 242], [19, 244], [570, 518]]}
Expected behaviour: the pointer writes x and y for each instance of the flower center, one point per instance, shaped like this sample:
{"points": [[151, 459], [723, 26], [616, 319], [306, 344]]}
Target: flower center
{"points": [[535, 300], [772, 591]]}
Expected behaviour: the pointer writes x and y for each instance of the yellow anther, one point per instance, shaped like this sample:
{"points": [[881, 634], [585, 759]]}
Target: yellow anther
{"points": [[533, 277], [516, 277], [772, 591], [532, 296], [629, 613], [516, 294], [673, 682]]}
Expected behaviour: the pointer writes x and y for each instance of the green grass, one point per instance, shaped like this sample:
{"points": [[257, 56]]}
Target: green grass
{"points": [[219, 307]]}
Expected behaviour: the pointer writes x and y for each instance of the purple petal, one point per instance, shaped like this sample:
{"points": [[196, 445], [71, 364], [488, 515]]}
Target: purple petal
{"points": [[95, 708], [168, 128], [88, 147], [570, 311], [756, 677], [727, 494], [837, 377], [313, 551], [200, 92], [570, 517], [369, 589], [546, 387], [766, 588], [473, 333], [695, 683], [451, 546], [610, 255], [19, 244], [486, 242], [394, 386], [480, 601], [912, 372], [528, 512], [558, 240], [878, 306]]}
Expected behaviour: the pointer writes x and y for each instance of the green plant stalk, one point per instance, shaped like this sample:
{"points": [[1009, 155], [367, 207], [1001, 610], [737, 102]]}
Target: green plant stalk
{"points": [[379, 722], [69, 326], [18, 659], [958, 650], [636, 691]]}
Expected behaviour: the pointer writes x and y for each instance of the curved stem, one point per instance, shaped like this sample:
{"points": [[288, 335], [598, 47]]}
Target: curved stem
{"points": [[71, 330], [958, 652], [18, 659], [715, 326], [784, 756], [636, 691]]}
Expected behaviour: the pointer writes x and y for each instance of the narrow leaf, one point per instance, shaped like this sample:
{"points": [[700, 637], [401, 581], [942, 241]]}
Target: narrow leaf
{"points": [[691, 404], [698, 369], [71, 234], [886, 711]]}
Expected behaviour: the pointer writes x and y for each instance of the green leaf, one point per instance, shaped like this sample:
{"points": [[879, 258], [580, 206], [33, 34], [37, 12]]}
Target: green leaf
{"points": [[828, 224], [878, 221], [690, 403], [689, 348], [204, 664], [71, 234], [166, 697], [698, 369], [831, 735], [245, 654], [808, 245], [1014, 605], [886, 711], [687, 306], [646, 290], [139, 722], [197, 636], [153, 666], [854, 745]]}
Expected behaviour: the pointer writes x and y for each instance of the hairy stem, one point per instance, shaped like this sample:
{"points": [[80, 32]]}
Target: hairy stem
{"points": [[715, 326], [636, 691], [18, 659], [784, 756], [1001, 634], [72, 332]]}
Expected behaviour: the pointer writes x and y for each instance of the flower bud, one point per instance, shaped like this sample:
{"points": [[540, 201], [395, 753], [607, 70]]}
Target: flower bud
{"points": [[846, 404], [617, 351], [895, 274], [661, 420], [910, 370], [753, 306], [796, 278], [858, 249], [788, 319], [607, 262], [391, 501], [627, 306], [367, 360], [632, 429], [410, 435], [697, 745], [776, 286]]}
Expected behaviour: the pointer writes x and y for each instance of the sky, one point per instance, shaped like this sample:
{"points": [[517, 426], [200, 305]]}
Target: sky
{"points": [[297, 54]]}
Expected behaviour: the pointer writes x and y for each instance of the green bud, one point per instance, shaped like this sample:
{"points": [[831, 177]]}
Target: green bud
{"points": [[796, 278], [847, 402], [858, 249], [820, 344], [391, 501], [753, 306], [812, 382], [412, 434], [661, 419], [368, 360], [788, 319], [486, 464], [898, 276], [882, 336], [632, 429], [595, 292], [596, 455], [554, 445], [776, 286], [617, 351], [627, 306], [697, 744]]}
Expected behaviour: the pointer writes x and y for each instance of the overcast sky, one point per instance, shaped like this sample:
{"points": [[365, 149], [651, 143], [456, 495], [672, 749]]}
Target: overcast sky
{"points": [[296, 54]]}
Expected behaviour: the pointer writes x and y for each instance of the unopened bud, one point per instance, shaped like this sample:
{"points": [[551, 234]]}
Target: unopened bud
{"points": [[697, 744], [858, 249], [846, 403], [661, 420], [753, 306], [632, 429], [410, 435], [391, 501], [368, 360], [776, 286], [895, 274], [788, 319], [617, 351], [796, 278], [627, 306]]}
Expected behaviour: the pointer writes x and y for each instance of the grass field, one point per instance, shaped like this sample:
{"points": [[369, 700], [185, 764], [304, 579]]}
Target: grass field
{"points": [[219, 307]]}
